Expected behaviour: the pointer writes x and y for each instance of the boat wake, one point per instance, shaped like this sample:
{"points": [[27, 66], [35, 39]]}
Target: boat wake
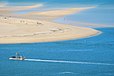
{"points": [[68, 62]]}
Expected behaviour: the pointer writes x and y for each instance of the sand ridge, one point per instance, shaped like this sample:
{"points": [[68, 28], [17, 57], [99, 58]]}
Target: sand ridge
{"points": [[57, 13], [27, 30], [11, 9]]}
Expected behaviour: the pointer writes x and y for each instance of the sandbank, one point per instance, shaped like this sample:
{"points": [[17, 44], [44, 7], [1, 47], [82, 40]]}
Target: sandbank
{"points": [[53, 14], [10, 9], [28, 30]]}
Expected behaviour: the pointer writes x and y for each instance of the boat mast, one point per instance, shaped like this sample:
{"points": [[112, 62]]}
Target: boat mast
{"points": [[17, 54]]}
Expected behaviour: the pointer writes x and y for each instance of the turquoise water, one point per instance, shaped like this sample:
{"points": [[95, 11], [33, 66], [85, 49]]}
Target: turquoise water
{"points": [[64, 1], [99, 15], [92, 56]]}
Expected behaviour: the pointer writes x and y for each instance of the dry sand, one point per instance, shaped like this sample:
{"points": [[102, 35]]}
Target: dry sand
{"points": [[21, 30]]}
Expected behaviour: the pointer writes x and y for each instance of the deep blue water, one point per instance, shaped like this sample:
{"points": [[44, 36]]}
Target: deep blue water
{"points": [[92, 56], [97, 49]]}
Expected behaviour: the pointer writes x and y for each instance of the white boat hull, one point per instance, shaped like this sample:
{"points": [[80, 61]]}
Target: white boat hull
{"points": [[16, 58]]}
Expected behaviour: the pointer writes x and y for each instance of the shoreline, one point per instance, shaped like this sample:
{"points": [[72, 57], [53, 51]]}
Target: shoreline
{"points": [[98, 33], [19, 30]]}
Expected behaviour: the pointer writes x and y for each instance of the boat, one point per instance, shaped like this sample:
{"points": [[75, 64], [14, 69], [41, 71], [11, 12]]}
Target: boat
{"points": [[17, 57]]}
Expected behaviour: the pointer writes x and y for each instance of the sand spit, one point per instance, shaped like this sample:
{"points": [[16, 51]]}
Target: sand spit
{"points": [[15, 30], [28, 30], [50, 15], [59, 13]]}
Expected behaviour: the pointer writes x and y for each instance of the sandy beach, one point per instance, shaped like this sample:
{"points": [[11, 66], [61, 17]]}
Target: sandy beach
{"points": [[27, 30]]}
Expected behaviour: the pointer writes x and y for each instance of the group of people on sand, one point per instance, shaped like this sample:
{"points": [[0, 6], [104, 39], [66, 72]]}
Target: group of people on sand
{"points": [[11, 20]]}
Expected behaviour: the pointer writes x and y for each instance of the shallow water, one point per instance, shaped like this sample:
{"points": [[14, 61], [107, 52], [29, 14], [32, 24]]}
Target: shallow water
{"points": [[84, 57], [101, 15]]}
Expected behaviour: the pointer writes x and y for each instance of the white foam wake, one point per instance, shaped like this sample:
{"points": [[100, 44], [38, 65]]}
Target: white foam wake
{"points": [[68, 62]]}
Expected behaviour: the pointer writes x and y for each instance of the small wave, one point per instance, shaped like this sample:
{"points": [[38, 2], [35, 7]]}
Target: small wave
{"points": [[66, 73], [68, 62], [61, 73]]}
